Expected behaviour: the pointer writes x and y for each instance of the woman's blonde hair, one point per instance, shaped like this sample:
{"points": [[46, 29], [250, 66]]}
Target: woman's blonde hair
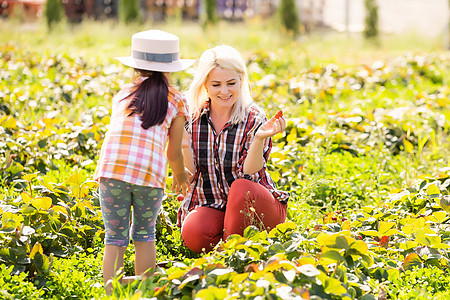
{"points": [[225, 57]]}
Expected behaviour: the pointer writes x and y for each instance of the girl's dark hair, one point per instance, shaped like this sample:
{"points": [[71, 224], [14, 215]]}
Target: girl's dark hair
{"points": [[149, 98]]}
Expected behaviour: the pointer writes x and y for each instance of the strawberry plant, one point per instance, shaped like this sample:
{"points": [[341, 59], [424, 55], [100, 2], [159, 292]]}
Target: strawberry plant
{"points": [[364, 156], [53, 220]]}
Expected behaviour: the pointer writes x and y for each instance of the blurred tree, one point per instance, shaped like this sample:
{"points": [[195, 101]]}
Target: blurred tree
{"points": [[210, 12], [54, 11], [289, 16], [129, 11], [371, 20]]}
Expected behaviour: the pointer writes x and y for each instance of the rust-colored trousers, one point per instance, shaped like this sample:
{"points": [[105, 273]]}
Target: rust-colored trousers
{"points": [[248, 203]]}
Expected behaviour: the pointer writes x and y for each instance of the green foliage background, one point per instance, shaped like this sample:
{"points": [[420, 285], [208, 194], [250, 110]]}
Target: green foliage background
{"points": [[54, 11], [365, 156], [289, 16], [129, 11], [371, 19]]}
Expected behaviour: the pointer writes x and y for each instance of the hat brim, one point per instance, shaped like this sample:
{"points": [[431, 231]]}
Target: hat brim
{"points": [[175, 66]]}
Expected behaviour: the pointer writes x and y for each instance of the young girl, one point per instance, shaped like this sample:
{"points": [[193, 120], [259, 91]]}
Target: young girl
{"points": [[132, 167]]}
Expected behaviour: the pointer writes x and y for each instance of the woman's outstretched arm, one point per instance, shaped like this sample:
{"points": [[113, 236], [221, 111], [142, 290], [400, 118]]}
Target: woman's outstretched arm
{"points": [[255, 157]]}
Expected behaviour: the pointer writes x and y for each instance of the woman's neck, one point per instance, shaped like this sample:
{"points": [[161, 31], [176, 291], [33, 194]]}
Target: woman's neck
{"points": [[219, 118]]}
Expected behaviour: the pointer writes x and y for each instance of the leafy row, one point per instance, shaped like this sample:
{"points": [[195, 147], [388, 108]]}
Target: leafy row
{"points": [[340, 258]]}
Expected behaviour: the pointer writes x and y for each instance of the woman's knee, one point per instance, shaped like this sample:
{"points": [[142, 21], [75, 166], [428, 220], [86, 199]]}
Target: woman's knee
{"points": [[202, 229], [192, 237], [241, 189]]}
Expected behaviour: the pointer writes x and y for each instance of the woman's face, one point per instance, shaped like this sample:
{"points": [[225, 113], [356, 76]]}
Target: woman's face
{"points": [[223, 86]]}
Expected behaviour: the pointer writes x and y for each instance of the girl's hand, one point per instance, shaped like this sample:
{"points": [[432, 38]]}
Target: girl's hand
{"points": [[181, 182], [273, 126]]}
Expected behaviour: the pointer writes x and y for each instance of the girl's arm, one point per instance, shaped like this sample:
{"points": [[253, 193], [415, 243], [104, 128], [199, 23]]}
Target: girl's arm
{"points": [[187, 152], [255, 156], [175, 155]]}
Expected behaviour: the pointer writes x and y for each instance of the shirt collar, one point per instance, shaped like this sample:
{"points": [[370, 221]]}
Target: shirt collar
{"points": [[206, 108]]}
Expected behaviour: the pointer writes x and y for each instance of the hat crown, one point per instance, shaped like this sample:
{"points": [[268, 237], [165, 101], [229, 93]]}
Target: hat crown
{"points": [[155, 41], [155, 50]]}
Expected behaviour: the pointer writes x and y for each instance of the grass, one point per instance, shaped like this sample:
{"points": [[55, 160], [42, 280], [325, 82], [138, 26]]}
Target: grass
{"points": [[105, 40], [331, 180]]}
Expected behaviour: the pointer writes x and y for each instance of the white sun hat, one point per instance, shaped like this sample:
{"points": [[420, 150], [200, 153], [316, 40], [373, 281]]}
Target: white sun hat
{"points": [[155, 50]]}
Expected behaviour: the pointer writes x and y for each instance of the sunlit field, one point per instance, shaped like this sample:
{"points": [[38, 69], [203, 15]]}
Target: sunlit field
{"points": [[365, 157]]}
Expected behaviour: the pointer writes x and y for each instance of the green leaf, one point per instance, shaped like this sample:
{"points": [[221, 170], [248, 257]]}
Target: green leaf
{"points": [[276, 248], [37, 248], [334, 255], [29, 177], [368, 297], [42, 203], [251, 233], [334, 286], [408, 146], [188, 280], [427, 239], [282, 229], [384, 228], [370, 232], [10, 219], [359, 246], [7, 229], [255, 251], [75, 181], [336, 241], [26, 198], [367, 260], [239, 278], [27, 230], [445, 203], [412, 260], [223, 275], [8, 122], [42, 262], [27, 210], [59, 209], [86, 187], [432, 189], [275, 176], [15, 168], [212, 293], [438, 216], [308, 270]]}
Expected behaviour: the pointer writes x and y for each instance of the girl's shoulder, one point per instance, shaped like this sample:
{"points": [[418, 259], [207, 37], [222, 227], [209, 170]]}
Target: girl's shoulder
{"points": [[176, 97], [123, 93], [173, 92], [177, 102]]}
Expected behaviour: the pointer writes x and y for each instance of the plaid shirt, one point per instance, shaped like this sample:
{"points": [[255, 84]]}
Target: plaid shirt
{"points": [[133, 154], [219, 160]]}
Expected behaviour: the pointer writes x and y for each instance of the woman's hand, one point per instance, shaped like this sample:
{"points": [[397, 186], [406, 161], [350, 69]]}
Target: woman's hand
{"points": [[255, 157], [273, 126]]}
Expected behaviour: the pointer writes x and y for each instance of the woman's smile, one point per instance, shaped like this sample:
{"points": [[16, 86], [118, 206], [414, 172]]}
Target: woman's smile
{"points": [[223, 87]]}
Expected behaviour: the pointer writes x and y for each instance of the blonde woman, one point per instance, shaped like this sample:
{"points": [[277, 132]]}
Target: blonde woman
{"points": [[226, 149]]}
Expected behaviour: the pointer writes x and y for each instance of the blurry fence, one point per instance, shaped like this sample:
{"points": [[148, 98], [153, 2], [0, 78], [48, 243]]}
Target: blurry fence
{"points": [[430, 17], [32, 9]]}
